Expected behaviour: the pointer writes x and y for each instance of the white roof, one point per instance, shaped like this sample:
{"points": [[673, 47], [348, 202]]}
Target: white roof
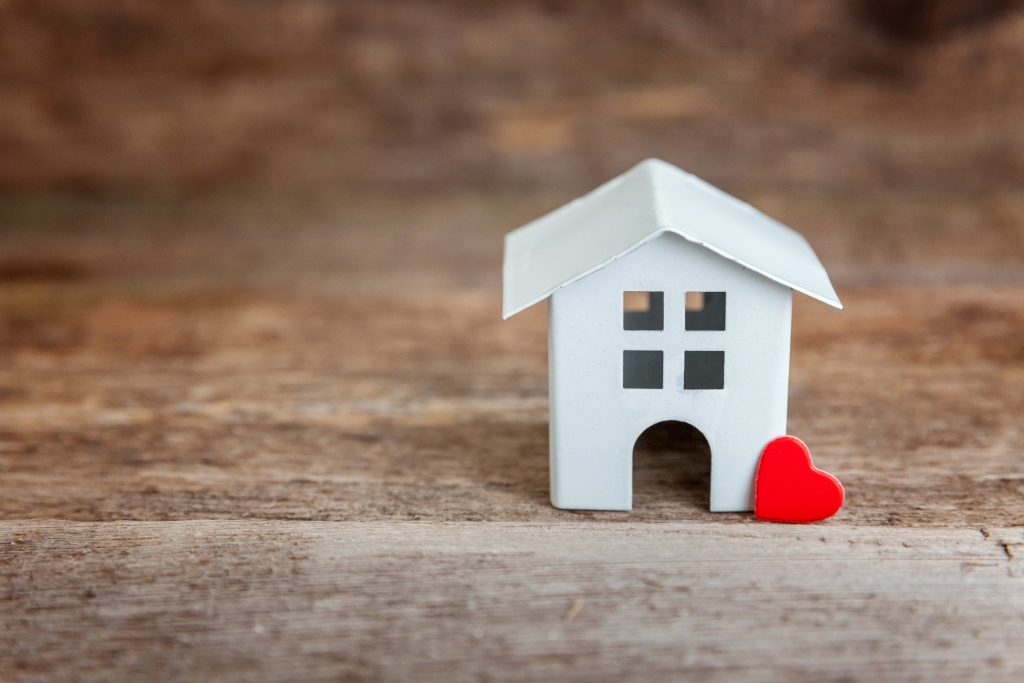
{"points": [[651, 199]]}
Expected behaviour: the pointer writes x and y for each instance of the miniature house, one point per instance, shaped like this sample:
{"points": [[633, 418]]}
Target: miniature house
{"points": [[669, 300]]}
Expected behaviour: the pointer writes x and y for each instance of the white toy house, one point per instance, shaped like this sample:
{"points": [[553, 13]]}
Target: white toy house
{"points": [[708, 344]]}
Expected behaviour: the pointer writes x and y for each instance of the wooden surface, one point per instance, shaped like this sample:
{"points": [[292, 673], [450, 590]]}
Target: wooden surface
{"points": [[127, 97], [292, 440]]}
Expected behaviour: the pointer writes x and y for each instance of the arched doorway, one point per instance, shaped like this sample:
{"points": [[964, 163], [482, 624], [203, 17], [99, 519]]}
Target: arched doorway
{"points": [[671, 468]]}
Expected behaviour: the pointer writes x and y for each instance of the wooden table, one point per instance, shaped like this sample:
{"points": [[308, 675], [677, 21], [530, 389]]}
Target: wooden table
{"points": [[292, 440]]}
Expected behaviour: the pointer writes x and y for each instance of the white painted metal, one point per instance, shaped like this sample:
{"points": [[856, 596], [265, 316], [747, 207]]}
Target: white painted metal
{"points": [[656, 228], [595, 422], [651, 199]]}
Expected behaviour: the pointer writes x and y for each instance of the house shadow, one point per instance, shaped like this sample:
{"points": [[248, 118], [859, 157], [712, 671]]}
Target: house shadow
{"points": [[508, 464], [671, 473], [532, 475]]}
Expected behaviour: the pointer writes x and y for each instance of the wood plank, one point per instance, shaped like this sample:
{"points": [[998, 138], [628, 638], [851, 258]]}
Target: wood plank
{"points": [[108, 96], [262, 407], [319, 601], [431, 601], [308, 448]]}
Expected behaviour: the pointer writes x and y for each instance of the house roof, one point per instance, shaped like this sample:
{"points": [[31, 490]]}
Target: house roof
{"points": [[651, 199]]}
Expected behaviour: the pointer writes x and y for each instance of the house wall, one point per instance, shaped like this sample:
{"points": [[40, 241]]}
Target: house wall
{"points": [[595, 421]]}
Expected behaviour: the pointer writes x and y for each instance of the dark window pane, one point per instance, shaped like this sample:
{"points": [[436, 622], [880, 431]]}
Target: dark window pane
{"points": [[705, 311], [642, 369], [643, 310], [704, 370]]}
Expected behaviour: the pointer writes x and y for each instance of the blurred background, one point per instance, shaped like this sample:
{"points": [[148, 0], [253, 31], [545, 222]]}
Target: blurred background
{"points": [[135, 134], [128, 97]]}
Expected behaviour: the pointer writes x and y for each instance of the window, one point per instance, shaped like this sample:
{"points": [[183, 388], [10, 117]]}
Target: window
{"points": [[705, 311], [642, 369], [643, 310], [704, 370], [702, 312]]}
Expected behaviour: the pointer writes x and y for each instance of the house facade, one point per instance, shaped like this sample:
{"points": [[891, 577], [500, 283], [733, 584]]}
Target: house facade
{"points": [[668, 300], [609, 383]]}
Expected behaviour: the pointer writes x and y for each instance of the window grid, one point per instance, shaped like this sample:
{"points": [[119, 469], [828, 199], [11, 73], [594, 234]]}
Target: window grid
{"points": [[702, 312]]}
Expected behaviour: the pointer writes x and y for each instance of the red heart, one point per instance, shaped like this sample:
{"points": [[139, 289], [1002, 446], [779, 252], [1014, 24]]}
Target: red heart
{"points": [[789, 488]]}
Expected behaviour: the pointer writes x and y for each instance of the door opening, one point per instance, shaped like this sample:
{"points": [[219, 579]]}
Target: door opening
{"points": [[671, 469]]}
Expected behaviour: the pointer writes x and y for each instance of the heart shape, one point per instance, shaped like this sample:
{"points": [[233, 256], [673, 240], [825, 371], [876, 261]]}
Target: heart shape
{"points": [[789, 488]]}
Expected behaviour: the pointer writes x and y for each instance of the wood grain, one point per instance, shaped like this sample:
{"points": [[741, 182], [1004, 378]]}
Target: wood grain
{"points": [[523, 601], [147, 96], [293, 440]]}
